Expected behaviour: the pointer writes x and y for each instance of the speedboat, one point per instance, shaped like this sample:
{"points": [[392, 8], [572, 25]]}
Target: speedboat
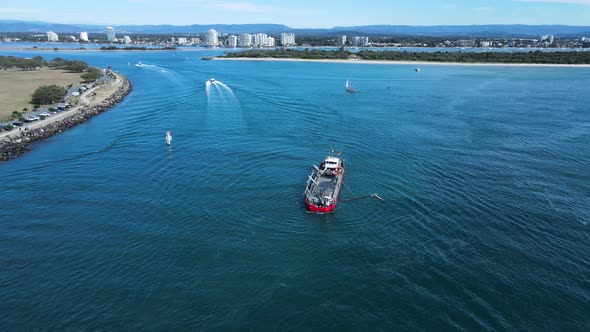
{"points": [[212, 80]]}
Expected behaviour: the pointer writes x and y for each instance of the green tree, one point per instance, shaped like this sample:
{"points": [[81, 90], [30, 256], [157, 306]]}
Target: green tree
{"points": [[91, 75], [48, 94], [75, 66]]}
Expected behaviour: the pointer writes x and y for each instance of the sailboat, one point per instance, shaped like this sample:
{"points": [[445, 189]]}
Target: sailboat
{"points": [[168, 137], [349, 87]]}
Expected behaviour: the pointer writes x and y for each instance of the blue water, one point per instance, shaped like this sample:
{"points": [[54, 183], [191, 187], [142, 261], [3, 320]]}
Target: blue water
{"points": [[484, 226]]}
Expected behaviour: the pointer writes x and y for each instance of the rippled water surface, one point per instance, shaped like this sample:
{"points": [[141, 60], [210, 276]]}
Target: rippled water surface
{"points": [[484, 172]]}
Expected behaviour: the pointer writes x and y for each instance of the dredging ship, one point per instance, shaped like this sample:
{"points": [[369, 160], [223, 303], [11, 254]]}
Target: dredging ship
{"points": [[323, 185]]}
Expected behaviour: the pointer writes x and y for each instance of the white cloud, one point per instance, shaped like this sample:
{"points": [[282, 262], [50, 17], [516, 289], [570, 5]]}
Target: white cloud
{"points": [[576, 2]]}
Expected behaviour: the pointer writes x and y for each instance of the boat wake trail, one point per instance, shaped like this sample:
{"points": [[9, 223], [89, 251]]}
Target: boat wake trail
{"points": [[226, 88], [224, 91], [151, 67], [208, 88]]}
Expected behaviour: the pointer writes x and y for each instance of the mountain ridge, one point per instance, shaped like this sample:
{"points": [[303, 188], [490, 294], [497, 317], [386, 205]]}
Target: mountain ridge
{"points": [[488, 30]]}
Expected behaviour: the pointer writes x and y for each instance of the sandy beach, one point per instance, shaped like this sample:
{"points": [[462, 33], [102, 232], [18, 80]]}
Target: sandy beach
{"points": [[390, 62]]}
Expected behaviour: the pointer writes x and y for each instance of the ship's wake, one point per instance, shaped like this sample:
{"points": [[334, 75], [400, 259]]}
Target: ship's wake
{"points": [[150, 67], [215, 88]]}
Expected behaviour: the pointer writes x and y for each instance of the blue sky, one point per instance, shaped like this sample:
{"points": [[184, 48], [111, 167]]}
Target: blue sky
{"points": [[300, 13]]}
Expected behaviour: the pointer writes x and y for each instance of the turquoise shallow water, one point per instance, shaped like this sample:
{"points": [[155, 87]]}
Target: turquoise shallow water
{"points": [[484, 171]]}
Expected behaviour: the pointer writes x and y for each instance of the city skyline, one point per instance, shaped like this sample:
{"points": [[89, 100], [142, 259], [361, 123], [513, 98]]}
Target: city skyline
{"points": [[305, 13]]}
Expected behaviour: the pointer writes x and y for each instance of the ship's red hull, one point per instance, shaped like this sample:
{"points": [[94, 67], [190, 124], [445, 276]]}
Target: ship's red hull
{"points": [[320, 209], [324, 184]]}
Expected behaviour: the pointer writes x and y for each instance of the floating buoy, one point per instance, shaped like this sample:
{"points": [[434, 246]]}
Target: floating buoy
{"points": [[168, 137]]}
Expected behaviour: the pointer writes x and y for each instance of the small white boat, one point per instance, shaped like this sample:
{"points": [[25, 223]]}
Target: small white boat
{"points": [[349, 87], [139, 64], [168, 137], [212, 80]]}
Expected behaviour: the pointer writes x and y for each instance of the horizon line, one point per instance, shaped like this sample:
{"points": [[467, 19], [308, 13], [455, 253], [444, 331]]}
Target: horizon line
{"points": [[8, 21]]}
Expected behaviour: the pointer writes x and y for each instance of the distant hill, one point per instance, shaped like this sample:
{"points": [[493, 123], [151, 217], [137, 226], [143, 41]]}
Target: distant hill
{"points": [[515, 30], [511, 30], [42, 27]]}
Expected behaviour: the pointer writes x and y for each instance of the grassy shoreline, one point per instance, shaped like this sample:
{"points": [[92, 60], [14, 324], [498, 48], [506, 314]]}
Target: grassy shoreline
{"points": [[502, 58], [19, 86], [394, 62]]}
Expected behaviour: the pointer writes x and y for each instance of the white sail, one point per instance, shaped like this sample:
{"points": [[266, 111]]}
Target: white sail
{"points": [[349, 87], [168, 137]]}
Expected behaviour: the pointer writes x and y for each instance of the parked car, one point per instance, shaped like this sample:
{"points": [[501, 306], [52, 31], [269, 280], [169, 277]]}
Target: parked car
{"points": [[17, 123], [75, 93], [45, 114]]}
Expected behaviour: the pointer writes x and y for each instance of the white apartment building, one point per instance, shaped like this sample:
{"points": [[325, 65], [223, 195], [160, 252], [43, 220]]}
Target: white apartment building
{"points": [[287, 39], [465, 43], [212, 38], [84, 36], [111, 38], [262, 40], [341, 40], [258, 39], [52, 36], [232, 41], [245, 40], [359, 41], [182, 41], [485, 43], [127, 40]]}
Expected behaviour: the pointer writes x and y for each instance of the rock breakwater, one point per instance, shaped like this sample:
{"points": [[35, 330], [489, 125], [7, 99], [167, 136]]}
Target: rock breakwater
{"points": [[19, 142]]}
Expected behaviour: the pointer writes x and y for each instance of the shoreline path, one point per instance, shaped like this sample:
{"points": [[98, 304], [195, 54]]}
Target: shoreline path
{"points": [[94, 101], [64, 114]]}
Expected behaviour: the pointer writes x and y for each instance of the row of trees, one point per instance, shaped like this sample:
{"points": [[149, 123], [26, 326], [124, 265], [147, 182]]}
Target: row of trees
{"points": [[292, 54], [48, 94], [7, 62], [483, 57], [74, 66], [469, 57]]}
